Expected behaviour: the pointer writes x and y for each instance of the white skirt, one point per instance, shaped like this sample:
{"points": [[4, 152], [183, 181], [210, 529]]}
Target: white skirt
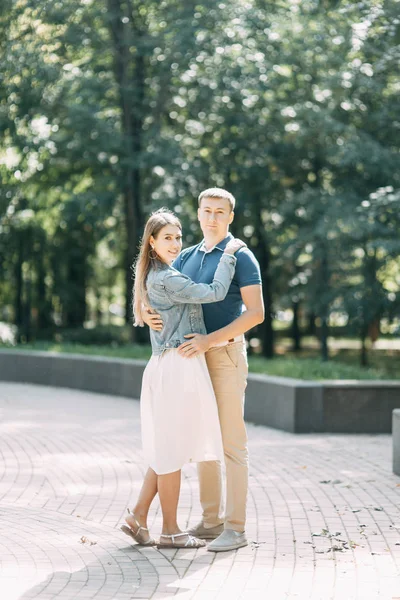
{"points": [[179, 413]]}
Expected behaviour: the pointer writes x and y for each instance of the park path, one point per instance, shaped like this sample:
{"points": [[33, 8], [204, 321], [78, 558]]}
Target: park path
{"points": [[323, 514]]}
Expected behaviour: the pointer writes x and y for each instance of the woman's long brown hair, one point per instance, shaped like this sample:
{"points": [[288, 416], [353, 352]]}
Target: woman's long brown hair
{"points": [[148, 259]]}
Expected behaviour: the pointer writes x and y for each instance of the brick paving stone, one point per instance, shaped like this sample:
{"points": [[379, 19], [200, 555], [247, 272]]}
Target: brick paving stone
{"points": [[323, 511]]}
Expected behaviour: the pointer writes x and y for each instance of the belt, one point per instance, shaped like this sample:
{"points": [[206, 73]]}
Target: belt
{"points": [[238, 338]]}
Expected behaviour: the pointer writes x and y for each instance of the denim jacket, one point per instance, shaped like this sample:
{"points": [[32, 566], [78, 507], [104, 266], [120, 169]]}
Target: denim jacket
{"points": [[178, 301]]}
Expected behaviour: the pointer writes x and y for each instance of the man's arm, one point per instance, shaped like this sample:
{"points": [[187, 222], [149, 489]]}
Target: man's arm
{"points": [[252, 316]]}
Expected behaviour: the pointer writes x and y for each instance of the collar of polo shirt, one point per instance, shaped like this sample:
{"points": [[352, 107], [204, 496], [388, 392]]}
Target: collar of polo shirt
{"points": [[220, 246]]}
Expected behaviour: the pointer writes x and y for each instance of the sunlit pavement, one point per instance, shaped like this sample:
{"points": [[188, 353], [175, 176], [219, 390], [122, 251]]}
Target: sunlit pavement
{"points": [[323, 513]]}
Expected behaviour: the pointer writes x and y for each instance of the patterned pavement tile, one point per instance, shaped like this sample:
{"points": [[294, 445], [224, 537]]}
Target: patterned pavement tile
{"points": [[323, 511]]}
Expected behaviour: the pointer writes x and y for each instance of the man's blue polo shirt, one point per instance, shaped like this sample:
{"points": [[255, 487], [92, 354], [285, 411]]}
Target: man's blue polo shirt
{"points": [[200, 266]]}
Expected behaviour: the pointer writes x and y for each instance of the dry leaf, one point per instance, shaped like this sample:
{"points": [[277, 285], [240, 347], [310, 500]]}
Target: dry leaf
{"points": [[85, 540]]}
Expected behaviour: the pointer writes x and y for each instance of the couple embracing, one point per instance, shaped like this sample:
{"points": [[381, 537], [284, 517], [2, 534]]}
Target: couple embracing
{"points": [[192, 399]]}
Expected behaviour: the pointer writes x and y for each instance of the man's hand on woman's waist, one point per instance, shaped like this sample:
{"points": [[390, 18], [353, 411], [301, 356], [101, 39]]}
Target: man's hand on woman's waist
{"points": [[152, 320], [197, 344]]}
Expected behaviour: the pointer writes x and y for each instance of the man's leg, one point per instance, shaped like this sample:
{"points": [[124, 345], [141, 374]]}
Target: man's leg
{"points": [[210, 483], [228, 370]]}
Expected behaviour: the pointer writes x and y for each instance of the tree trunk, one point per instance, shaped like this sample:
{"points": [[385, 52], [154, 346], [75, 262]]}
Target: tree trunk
{"points": [[325, 306], [19, 283], [371, 310], [98, 313], [267, 332], [136, 224], [263, 255], [130, 76], [363, 351], [43, 316], [27, 321], [75, 311], [296, 334], [324, 339], [311, 327], [267, 329]]}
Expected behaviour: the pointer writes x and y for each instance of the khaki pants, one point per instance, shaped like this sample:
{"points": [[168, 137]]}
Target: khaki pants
{"points": [[228, 371]]}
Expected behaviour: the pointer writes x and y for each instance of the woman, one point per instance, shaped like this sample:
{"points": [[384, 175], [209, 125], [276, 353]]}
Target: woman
{"points": [[178, 409]]}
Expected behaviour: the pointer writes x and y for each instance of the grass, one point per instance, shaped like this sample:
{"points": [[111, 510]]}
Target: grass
{"points": [[344, 364], [129, 351], [313, 369]]}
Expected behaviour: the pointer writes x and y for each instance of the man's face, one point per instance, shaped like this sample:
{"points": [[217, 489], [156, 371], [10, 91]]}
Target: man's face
{"points": [[215, 216]]}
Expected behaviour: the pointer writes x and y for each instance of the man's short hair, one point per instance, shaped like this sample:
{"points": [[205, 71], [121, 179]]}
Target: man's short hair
{"points": [[218, 193]]}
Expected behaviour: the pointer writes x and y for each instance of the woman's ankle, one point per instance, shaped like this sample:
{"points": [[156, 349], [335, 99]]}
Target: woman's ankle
{"points": [[140, 514], [171, 529]]}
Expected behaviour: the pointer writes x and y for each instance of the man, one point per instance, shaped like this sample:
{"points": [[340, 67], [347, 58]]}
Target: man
{"points": [[225, 353]]}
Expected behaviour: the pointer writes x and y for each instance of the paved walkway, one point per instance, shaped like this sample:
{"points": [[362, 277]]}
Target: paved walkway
{"points": [[324, 517]]}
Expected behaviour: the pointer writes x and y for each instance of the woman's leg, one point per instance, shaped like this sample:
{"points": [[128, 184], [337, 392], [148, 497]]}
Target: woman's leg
{"points": [[147, 494], [169, 487]]}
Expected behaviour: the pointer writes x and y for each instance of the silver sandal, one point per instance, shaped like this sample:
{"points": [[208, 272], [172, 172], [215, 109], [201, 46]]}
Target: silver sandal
{"points": [[140, 533], [191, 542]]}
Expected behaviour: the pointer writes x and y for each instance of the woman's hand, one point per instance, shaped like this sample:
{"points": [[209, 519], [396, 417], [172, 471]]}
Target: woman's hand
{"points": [[234, 245]]}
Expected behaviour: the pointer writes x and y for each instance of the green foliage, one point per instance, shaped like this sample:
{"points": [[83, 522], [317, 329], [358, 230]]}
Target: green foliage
{"points": [[313, 369], [110, 109], [133, 351]]}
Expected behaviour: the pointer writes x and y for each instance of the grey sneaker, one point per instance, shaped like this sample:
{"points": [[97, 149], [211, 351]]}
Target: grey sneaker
{"points": [[206, 533], [228, 540]]}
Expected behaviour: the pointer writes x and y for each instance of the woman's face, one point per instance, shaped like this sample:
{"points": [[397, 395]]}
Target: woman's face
{"points": [[168, 243]]}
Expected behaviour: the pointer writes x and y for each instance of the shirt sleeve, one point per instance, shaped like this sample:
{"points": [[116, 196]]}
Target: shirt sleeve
{"points": [[247, 269], [181, 289]]}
